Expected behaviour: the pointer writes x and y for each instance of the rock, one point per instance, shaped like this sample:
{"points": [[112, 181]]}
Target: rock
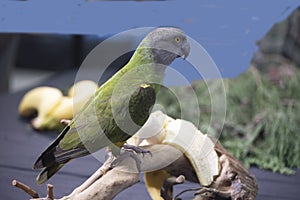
{"points": [[280, 45]]}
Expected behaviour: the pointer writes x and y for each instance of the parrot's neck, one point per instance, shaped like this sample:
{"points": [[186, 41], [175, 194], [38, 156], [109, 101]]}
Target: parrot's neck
{"points": [[144, 62]]}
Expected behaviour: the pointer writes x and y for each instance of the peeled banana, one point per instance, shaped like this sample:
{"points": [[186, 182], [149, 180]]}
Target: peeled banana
{"points": [[51, 106], [196, 146]]}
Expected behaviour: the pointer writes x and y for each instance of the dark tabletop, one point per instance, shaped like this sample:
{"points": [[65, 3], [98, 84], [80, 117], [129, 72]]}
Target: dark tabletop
{"points": [[20, 146]]}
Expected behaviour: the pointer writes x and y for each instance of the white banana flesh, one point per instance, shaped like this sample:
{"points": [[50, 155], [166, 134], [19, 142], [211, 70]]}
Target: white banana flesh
{"points": [[197, 147]]}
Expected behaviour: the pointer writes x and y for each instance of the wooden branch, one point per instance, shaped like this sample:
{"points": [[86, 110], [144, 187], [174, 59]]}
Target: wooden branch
{"points": [[168, 186], [92, 179], [233, 182], [106, 183], [50, 195], [25, 188]]}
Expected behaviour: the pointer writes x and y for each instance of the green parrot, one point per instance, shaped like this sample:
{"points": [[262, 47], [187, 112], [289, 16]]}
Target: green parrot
{"points": [[120, 106]]}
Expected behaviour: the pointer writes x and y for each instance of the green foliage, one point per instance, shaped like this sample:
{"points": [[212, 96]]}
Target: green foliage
{"points": [[262, 117]]}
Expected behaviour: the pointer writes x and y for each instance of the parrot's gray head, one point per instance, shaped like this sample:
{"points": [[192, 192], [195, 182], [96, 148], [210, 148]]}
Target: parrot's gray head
{"points": [[166, 44]]}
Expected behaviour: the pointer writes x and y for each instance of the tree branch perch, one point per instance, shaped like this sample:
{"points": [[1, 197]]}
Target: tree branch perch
{"points": [[233, 181]]}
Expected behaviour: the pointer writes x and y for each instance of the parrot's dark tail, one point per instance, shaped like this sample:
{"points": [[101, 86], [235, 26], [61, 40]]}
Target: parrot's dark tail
{"points": [[52, 161], [54, 158], [47, 158], [47, 173], [57, 156]]}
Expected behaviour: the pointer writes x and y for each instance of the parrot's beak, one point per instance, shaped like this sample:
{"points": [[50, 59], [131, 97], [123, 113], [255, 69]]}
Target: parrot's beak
{"points": [[185, 50], [185, 56]]}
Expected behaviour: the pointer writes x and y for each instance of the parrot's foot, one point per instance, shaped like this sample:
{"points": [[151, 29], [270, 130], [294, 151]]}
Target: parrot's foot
{"points": [[213, 193], [123, 156], [136, 149], [130, 151]]}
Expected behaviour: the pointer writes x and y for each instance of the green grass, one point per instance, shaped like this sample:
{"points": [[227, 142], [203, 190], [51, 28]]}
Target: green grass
{"points": [[262, 116]]}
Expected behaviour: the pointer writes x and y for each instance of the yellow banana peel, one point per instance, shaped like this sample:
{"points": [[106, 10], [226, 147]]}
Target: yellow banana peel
{"points": [[154, 182]]}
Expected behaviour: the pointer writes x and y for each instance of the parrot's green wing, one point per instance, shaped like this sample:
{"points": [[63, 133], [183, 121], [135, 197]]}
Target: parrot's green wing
{"points": [[84, 135]]}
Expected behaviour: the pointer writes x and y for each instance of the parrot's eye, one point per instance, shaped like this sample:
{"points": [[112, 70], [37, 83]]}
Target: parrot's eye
{"points": [[177, 40]]}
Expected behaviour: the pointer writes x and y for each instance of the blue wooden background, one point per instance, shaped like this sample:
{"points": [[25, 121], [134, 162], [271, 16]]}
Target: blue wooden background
{"points": [[228, 30]]}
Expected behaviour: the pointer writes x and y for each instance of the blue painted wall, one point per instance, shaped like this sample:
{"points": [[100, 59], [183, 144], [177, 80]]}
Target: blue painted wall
{"points": [[228, 30]]}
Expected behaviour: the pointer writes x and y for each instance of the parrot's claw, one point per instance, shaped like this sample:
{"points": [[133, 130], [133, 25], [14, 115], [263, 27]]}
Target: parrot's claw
{"points": [[130, 151], [136, 149], [125, 155], [213, 193]]}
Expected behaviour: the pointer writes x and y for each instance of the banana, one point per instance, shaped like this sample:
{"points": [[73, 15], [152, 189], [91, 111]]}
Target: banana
{"points": [[70, 105], [197, 147], [81, 92], [154, 182], [64, 110], [40, 100], [52, 106], [153, 131]]}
